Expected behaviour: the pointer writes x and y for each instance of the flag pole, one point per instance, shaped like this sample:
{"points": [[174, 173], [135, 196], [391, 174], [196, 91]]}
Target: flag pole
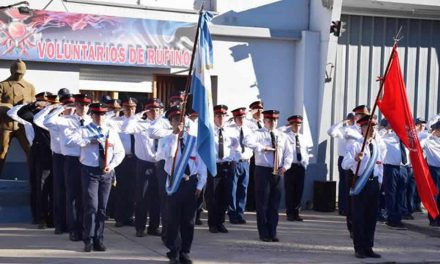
{"points": [[187, 86], [382, 82]]}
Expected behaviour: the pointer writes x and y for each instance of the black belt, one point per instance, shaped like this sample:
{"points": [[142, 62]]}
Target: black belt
{"points": [[225, 163]]}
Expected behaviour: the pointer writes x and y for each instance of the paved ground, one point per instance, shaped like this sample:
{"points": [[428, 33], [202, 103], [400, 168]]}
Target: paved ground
{"points": [[321, 238]]}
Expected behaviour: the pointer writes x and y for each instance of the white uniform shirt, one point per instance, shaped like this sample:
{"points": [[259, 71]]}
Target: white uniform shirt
{"points": [[28, 129], [118, 123], [167, 150], [349, 162], [39, 118], [90, 152], [303, 148], [248, 152], [230, 144], [260, 139], [393, 154], [431, 147], [253, 123], [338, 131], [161, 127], [66, 125], [145, 144]]}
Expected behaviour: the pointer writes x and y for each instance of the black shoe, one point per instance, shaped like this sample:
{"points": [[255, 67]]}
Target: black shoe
{"points": [[298, 218], [369, 253], [242, 221], [88, 246], [184, 258], [359, 253], [275, 239], [408, 217], [172, 256], [222, 229], [129, 222], [41, 225], [234, 221], [140, 233], [74, 237], [198, 222], [213, 229], [58, 231], [99, 246], [265, 239], [154, 232], [119, 224], [396, 225], [290, 218]]}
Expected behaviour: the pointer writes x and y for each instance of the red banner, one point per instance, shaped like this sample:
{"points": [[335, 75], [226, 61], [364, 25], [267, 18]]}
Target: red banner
{"points": [[394, 105]]}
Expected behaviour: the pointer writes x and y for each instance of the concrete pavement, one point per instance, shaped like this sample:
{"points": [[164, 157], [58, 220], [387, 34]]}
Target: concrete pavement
{"points": [[321, 238]]}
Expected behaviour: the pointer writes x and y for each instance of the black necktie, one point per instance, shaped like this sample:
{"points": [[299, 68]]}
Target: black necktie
{"points": [[403, 153], [101, 158], [241, 139], [272, 139], [221, 150], [156, 144], [182, 147], [258, 124], [298, 149], [81, 122], [132, 143]]}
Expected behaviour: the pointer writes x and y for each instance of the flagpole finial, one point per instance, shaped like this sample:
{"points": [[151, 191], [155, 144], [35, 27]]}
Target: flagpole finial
{"points": [[398, 36]]}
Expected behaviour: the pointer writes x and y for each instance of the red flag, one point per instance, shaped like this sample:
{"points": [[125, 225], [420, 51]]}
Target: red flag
{"points": [[394, 105]]}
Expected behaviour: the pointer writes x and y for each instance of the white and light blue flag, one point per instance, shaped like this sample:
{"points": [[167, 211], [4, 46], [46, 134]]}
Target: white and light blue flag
{"points": [[202, 97]]}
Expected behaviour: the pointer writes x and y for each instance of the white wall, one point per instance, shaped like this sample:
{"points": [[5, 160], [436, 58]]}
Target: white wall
{"points": [[264, 70]]}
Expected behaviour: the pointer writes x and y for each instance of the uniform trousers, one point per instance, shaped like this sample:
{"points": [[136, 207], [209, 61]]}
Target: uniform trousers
{"points": [[59, 193], [238, 185], [342, 188], [410, 191], [349, 182], [125, 189], [394, 180], [162, 179], [40, 165], [216, 194], [96, 189], [250, 197], [147, 196], [182, 207], [435, 174], [74, 195], [364, 211], [294, 187], [267, 201]]}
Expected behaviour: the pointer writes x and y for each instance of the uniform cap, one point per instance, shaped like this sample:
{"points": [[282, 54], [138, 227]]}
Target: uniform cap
{"points": [[256, 105], [220, 109], [152, 103], [239, 112], [349, 116], [63, 91], [98, 108], [364, 121], [361, 109], [129, 101], [67, 99], [82, 98], [271, 114], [52, 98], [419, 121], [436, 125], [180, 96], [295, 119], [42, 96], [173, 111]]}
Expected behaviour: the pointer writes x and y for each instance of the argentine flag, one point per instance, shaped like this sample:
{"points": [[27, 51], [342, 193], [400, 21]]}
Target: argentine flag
{"points": [[202, 98]]}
